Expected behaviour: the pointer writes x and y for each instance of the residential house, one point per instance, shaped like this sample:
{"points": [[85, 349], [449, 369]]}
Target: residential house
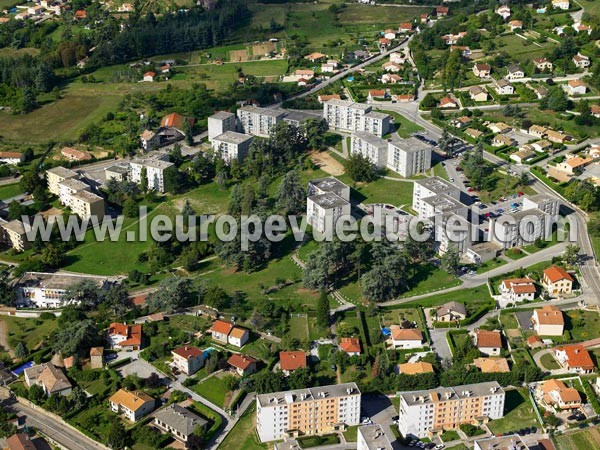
{"points": [[51, 378], [425, 17], [472, 132], [73, 154], [499, 127], [292, 360], [384, 42], [307, 74], [447, 102], [576, 87], [514, 72], [561, 4], [97, 357], [417, 368], [391, 78], [188, 359], [132, 404], [406, 27], [391, 67], [149, 76], [515, 25], [538, 131], [14, 233], [543, 64], [580, 27], [503, 11], [541, 146], [125, 337], [350, 345], [238, 336], [556, 393], [242, 364], [581, 61], [595, 110], [22, 441], [548, 321], [397, 58], [573, 165], [389, 34], [504, 87], [492, 365], [315, 57], [516, 290], [406, 338], [375, 94], [12, 158], [534, 342], [575, 358], [442, 11], [461, 122], [178, 421], [463, 49], [451, 312], [488, 342], [452, 39], [557, 281], [482, 70], [403, 98], [558, 137], [478, 94], [501, 140], [220, 330], [177, 121], [329, 67]]}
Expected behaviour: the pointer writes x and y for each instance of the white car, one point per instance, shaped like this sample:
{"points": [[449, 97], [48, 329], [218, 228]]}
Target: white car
{"points": [[439, 447]]}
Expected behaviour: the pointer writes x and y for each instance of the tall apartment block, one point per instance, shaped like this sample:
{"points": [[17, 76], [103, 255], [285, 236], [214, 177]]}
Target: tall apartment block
{"points": [[544, 202], [221, 122], [307, 412], [231, 145], [155, 167], [258, 121], [431, 412], [370, 146], [372, 437], [408, 157], [343, 115], [328, 200], [429, 187], [521, 228]]}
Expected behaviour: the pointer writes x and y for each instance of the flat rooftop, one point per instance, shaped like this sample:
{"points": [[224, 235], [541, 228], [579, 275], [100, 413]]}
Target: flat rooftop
{"points": [[62, 172], [118, 168], [222, 115], [369, 138], [513, 442], [298, 395], [411, 144], [440, 394], [328, 200], [348, 104], [59, 281], [88, 197], [153, 162], [436, 184], [328, 184], [16, 226], [520, 215], [300, 116], [74, 184], [232, 137], [539, 198], [263, 111], [375, 437], [377, 115], [444, 203]]}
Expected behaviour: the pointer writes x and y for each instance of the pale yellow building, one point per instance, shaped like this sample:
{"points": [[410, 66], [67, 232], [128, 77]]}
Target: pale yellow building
{"points": [[56, 175]]}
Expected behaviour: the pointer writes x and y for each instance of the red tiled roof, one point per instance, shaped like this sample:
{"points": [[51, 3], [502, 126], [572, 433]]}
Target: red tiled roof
{"points": [[405, 334], [488, 339], [350, 345], [175, 120], [556, 273], [550, 315], [292, 360], [188, 352], [133, 333], [220, 326], [241, 361], [19, 441], [578, 356]]}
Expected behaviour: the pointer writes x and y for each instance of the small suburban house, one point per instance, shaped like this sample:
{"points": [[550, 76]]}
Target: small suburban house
{"points": [[543, 64], [576, 87], [238, 336], [503, 87], [447, 102], [290, 361], [228, 333], [242, 364], [406, 337], [450, 312], [548, 321], [149, 76], [501, 140], [132, 404], [415, 368], [516, 290], [350, 345], [492, 365], [514, 72], [557, 281], [12, 158], [97, 357], [556, 393], [180, 422], [188, 359], [581, 61], [488, 342], [22, 441], [51, 378], [478, 94], [125, 337], [482, 70], [575, 358]]}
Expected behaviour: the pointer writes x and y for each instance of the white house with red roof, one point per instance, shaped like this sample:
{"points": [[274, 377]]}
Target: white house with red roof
{"points": [[229, 333], [125, 337], [406, 337], [290, 361], [557, 281], [575, 358], [515, 290], [350, 345], [242, 364], [188, 359]]}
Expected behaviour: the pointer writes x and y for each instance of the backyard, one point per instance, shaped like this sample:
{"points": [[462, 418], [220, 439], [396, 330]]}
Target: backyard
{"points": [[518, 413], [213, 389], [577, 440], [242, 436]]}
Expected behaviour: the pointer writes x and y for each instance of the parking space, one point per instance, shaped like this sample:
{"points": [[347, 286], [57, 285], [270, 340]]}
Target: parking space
{"points": [[137, 367], [524, 319]]}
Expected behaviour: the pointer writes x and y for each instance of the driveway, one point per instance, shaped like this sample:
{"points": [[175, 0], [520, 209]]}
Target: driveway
{"points": [[524, 319], [138, 367], [439, 343]]}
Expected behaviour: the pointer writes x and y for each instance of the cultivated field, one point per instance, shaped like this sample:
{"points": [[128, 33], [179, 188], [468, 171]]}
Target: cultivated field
{"points": [[589, 438]]}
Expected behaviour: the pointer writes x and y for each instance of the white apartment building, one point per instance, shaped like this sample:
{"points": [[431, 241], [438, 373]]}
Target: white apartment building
{"points": [[307, 412], [521, 228], [68, 187], [323, 211], [221, 122], [343, 115], [543, 202], [56, 175], [231, 145], [155, 171], [409, 157], [258, 121], [370, 146], [430, 187], [329, 185], [429, 412], [14, 233], [372, 437], [446, 212]]}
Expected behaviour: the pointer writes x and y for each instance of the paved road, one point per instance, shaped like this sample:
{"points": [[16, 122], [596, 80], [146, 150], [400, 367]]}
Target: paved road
{"points": [[61, 433]]}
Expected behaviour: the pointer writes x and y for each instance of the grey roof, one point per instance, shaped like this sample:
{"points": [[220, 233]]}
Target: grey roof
{"points": [[451, 307], [520, 215], [118, 168], [153, 162], [328, 200], [263, 111], [369, 138], [181, 419], [377, 115], [437, 185], [411, 144], [444, 203], [16, 226], [222, 115], [300, 116], [375, 437], [75, 184], [450, 393], [231, 137], [503, 83], [328, 184], [59, 281], [512, 442], [62, 172], [514, 68], [298, 395], [348, 104], [87, 196], [539, 198]]}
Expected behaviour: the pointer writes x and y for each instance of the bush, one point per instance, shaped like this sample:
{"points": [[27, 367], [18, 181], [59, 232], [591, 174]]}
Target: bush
{"points": [[47, 316]]}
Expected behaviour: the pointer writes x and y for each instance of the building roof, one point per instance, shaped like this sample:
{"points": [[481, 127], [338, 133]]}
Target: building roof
{"points": [[447, 101], [240, 361], [577, 356], [222, 115], [62, 172], [188, 352], [132, 333], [237, 332], [11, 155], [576, 83], [450, 307], [232, 137], [549, 315], [222, 327], [374, 437], [75, 153], [313, 393], [97, 351], [289, 361], [483, 66], [87, 197], [16, 226], [369, 138], [132, 400], [180, 419], [405, 334], [325, 98], [492, 365], [57, 280], [410, 144], [441, 394], [566, 394], [520, 285], [556, 273], [350, 345], [511, 442], [476, 90], [52, 378], [328, 200], [415, 368], [20, 441], [175, 120], [488, 339], [262, 111]]}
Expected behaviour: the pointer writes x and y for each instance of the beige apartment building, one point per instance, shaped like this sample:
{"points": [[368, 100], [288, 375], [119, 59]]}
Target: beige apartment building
{"points": [[14, 233], [87, 204], [430, 412], [55, 176], [307, 412]]}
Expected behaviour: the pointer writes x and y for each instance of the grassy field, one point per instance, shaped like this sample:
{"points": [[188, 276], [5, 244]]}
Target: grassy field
{"points": [[589, 438], [212, 389], [549, 362], [396, 193], [491, 264], [299, 328], [582, 325], [429, 278], [518, 413], [242, 436], [31, 331], [10, 190], [521, 48], [406, 127]]}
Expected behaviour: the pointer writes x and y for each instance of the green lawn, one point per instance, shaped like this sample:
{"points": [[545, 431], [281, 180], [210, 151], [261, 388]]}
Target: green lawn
{"points": [[243, 436], [515, 253], [299, 328], [582, 325], [351, 434], [317, 441], [429, 278], [581, 439], [213, 390], [440, 171], [450, 436], [518, 413], [549, 362], [405, 127], [396, 193], [491, 264], [503, 185], [10, 190], [31, 331]]}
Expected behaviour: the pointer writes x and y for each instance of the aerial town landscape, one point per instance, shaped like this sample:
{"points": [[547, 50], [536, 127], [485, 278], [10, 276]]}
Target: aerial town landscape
{"points": [[293, 224]]}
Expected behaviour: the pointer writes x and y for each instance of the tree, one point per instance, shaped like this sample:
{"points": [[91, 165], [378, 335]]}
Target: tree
{"points": [[171, 295], [15, 210], [21, 350], [144, 179], [36, 393], [117, 437], [196, 439], [153, 381], [188, 130], [117, 299], [360, 168], [7, 292], [323, 310], [314, 131], [76, 338], [571, 254], [291, 195], [85, 292], [52, 256], [451, 259]]}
